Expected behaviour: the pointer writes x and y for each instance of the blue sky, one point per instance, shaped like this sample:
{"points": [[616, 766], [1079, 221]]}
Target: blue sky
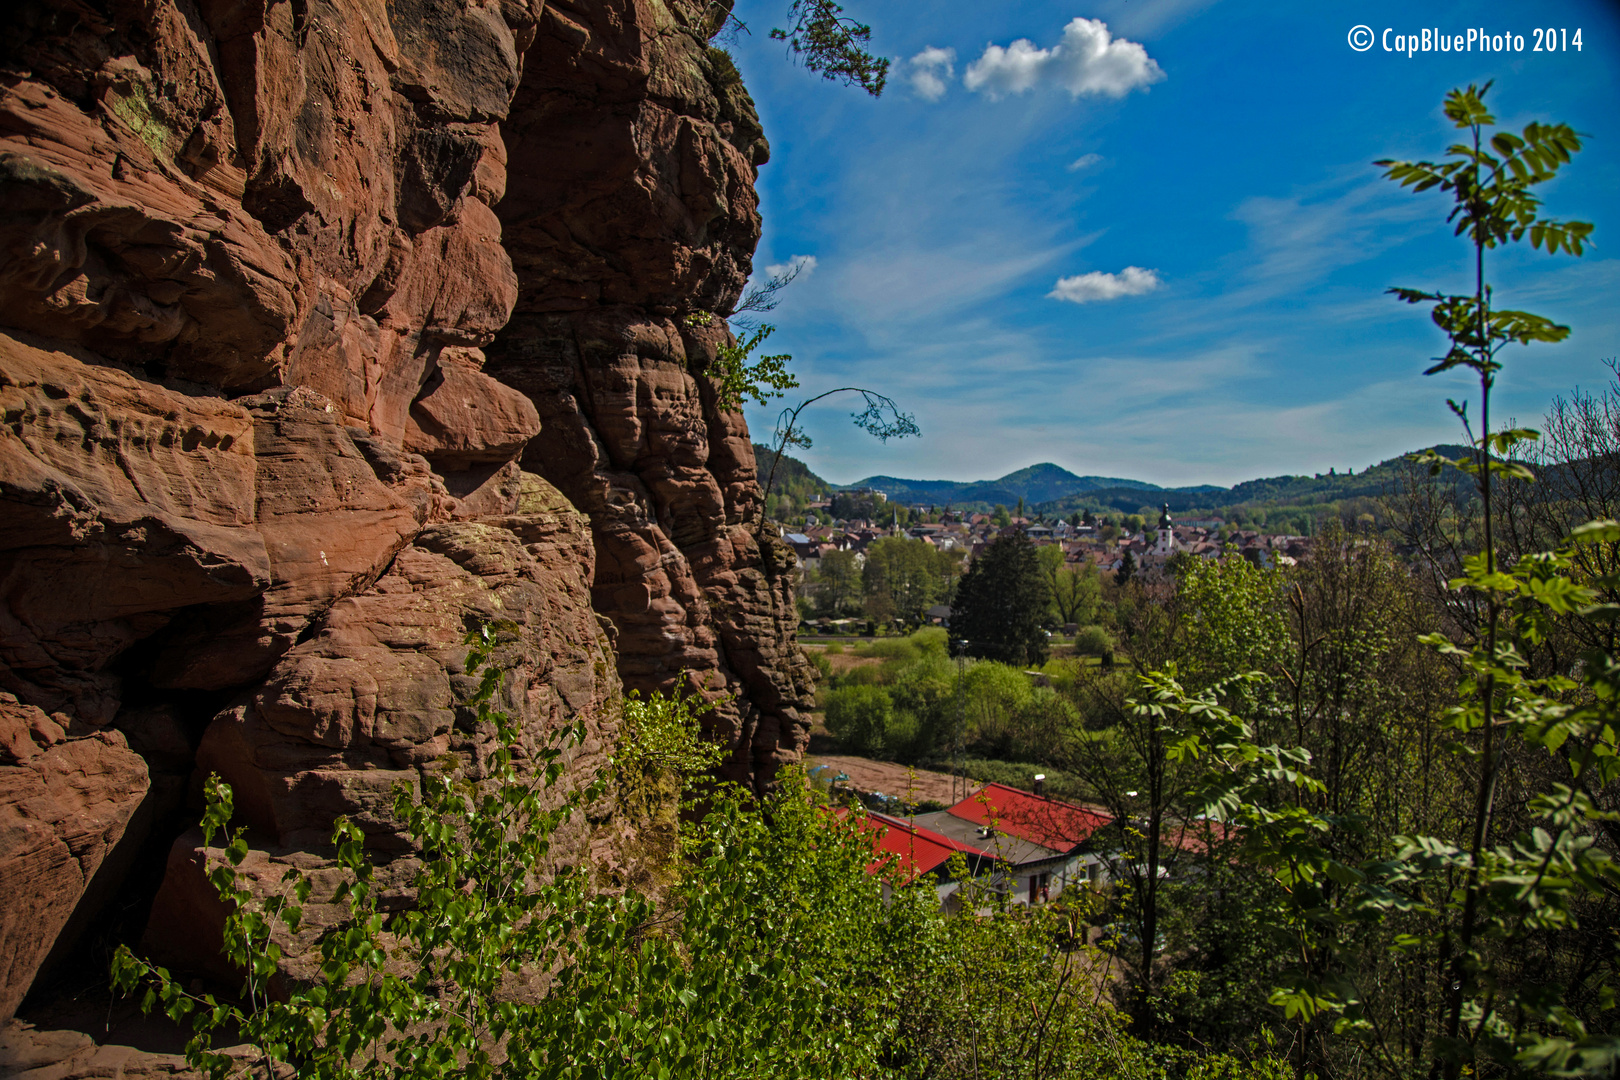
{"points": [[1197, 175]]}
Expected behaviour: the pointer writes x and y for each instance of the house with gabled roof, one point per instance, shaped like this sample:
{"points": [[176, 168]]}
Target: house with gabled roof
{"points": [[1040, 845], [918, 853]]}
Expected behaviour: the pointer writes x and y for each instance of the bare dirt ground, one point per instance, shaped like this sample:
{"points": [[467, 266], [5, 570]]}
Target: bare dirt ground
{"points": [[866, 775]]}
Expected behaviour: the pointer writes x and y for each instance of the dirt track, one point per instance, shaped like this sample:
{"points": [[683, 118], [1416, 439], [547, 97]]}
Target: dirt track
{"points": [[866, 775]]}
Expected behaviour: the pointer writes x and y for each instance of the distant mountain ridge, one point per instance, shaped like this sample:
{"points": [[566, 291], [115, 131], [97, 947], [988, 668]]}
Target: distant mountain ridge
{"points": [[1041, 483], [1053, 490]]}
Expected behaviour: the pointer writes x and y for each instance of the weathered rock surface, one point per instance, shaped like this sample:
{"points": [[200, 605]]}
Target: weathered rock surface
{"points": [[632, 151], [64, 802], [124, 502], [257, 478], [50, 1054], [379, 695]]}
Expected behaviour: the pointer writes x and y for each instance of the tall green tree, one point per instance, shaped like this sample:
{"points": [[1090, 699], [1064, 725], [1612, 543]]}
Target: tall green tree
{"points": [[902, 578], [1492, 179], [1000, 604], [1467, 903], [837, 582], [1076, 588]]}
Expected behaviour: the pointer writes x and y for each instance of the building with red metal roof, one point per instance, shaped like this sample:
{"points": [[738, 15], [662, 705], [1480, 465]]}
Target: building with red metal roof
{"points": [[917, 850], [1050, 823], [1029, 846], [1023, 844]]}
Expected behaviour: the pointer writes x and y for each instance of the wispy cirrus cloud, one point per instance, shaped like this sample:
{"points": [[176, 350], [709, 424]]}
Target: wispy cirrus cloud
{"points": [[1085, 161], [930, 72], [1099, 285], [1088, 60]]}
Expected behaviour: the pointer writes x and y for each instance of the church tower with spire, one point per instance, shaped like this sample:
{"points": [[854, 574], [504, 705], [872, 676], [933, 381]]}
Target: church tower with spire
{"points": [[1167, 536]]}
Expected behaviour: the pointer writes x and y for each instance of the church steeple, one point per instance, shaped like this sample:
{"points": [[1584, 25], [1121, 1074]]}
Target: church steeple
{"points": [[1167, 536]]}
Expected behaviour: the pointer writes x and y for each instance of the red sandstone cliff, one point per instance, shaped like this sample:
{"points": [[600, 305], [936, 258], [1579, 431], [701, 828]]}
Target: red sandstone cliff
{"points": [[630, 205], [257, 476]]}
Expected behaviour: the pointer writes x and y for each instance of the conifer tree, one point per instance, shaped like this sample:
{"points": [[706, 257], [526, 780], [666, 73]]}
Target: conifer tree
{"points": [[1000, 602]]}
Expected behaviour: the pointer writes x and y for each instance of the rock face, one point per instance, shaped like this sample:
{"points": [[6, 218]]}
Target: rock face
{"points": [[630, 205], [64, 802], [257, 477]]}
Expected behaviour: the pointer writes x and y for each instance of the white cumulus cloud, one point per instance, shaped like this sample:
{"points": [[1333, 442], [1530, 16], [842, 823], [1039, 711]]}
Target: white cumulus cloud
{"points": [[1087, 61], [1097, 285], [800, 266], [1085, 161], [929, 72]]}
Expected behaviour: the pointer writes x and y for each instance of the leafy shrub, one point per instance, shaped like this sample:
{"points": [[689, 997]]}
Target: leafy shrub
{"points": [[993, 695], [932, 641], [860, 717], [889, 649], [927, 691], [1093, 641], [901, 736]]}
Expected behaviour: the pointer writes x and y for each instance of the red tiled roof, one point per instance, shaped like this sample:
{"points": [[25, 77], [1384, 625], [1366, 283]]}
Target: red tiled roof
{"points": [[1050, 823], [916, 850]]}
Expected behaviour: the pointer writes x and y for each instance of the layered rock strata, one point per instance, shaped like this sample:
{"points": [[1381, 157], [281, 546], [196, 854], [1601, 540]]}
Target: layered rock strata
{"points": [[271, 440], [630, 208]]}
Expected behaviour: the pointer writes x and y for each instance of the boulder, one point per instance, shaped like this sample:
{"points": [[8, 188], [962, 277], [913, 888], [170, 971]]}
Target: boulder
{"points": [[64, 802]]}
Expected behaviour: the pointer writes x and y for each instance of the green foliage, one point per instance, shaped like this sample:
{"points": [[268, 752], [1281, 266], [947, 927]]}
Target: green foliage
{"points": [[775, 953], [1000, 603], [1093, 640], [735, 378], [419, 990], [902, 578], [827, 41], [661, 743], [993, 694], [662, 734], [836, 583], [1235, 624], [1493, 192], [1076, 589], [860, 716], [929, 641]]}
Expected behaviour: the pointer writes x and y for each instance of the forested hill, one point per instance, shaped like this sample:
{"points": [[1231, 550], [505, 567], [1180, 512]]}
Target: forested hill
{"points": [[793, 477], [1254, 500], [1054, 491], [1035, 484]]}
